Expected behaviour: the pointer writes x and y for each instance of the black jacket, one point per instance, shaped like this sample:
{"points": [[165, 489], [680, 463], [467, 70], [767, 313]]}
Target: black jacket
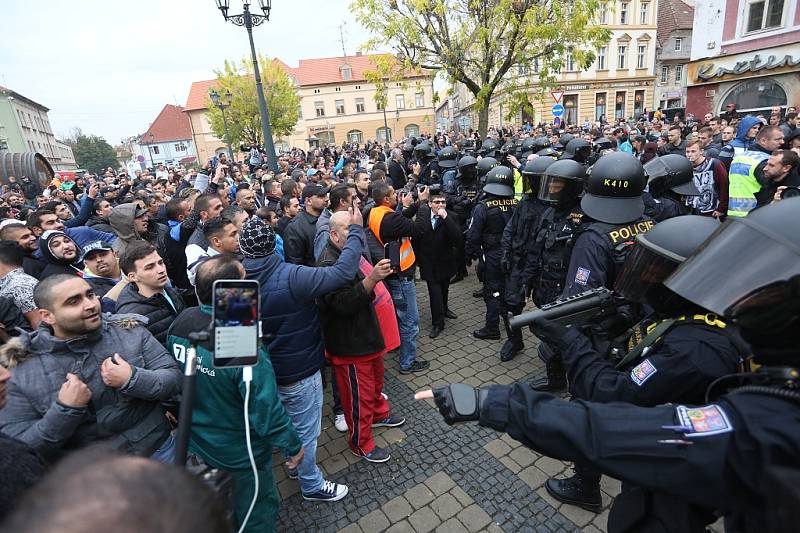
{"points": [[159, 313], [397, 174], [298, 239], [349, 324], [100, 224], [436, 250]]}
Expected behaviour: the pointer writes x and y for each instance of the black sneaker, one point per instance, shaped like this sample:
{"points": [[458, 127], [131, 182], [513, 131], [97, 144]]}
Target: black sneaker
{"points": [[377, 455], [420, 365], [330, 492], [291, 473], [487, 334], [391, 421]]}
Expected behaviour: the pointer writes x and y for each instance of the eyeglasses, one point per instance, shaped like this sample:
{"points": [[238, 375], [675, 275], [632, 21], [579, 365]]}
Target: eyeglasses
{"points": [[438, 201]]}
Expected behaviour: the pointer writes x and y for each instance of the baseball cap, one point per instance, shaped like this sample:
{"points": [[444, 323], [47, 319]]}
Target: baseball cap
{"points": [[96, 246], [139, 212], [312, 171], [315, 190]]}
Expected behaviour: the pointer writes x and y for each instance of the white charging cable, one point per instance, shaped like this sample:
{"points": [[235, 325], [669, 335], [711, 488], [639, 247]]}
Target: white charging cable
{"points": [[247, 377]]}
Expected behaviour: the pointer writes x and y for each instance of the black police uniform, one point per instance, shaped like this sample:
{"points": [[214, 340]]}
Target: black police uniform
{"points": [[489, 218], [553, 250], [670, 180], [462, 194], [718, 456], [665, 207]]}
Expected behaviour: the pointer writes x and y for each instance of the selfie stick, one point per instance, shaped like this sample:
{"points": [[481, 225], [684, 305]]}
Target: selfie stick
{"points": [[187, 397]]}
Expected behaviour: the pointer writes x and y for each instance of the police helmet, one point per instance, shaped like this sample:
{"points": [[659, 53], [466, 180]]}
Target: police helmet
{"points": [[527, 147], [448, 157], [657, 254], [507, 148], [602, 144], [540, 143], [671, 172], [500, 182], [561, 183], [578, 150], [518, 146], [763, 300], [488, 148], [424, 150], [532, 173], [563, 141], [547, 152], [485, 165], [613, 191], [468, 168], [408, 149]]}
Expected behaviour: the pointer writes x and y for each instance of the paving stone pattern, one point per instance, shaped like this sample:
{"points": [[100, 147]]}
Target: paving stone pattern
{"points": [[441, 478]]}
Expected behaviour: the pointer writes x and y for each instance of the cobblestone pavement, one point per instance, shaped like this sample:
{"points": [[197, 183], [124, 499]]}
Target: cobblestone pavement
{"points": [[439, 478]]}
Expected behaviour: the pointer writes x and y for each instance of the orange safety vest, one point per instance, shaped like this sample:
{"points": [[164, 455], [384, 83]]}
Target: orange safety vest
{"points": [[407, 257]]}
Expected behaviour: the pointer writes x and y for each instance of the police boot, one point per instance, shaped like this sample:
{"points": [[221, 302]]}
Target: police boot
{"points": [[554, 380], [487, 334], [576, 490], [478, 293], [511, 348]]}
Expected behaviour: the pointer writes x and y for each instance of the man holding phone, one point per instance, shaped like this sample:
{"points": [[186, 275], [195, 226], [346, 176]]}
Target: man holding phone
{"points": [[387, 224]]}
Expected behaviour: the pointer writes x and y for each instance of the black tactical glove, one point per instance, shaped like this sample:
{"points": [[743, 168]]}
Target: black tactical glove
{"points": [[459, 402], [551, 332], [505, 264]]}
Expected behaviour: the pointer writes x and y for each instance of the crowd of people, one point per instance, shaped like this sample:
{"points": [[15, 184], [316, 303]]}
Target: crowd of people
{"points": [[104, 279]]}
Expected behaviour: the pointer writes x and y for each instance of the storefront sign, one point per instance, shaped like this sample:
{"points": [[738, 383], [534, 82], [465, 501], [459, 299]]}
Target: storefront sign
{"points": [[748, 65], [315, 129]]}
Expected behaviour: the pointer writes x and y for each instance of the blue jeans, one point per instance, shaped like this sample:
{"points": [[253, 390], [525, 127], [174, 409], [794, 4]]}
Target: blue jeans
{"points": [[303, 403], [404, 296], [166, 452]]}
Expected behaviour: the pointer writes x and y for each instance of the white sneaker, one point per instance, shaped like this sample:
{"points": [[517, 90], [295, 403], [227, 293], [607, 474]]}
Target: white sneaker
{"points": [[340, 423], [330, 492], [384, 396]]}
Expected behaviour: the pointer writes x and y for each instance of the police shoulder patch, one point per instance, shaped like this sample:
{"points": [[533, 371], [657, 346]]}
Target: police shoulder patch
{"points": [[582, 276], [703, 421], [643, 371]]}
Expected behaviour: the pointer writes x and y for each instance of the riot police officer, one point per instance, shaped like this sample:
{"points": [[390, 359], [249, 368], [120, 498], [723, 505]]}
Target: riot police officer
{"points": [[578, 150], [670, 181], [429, 170], [516, 244], [674, 355], [447, 162], [738, 456], [489, 148], [613, 208], [489, 218], [461, 194]]}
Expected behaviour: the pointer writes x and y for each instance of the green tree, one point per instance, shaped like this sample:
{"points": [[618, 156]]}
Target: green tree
{"points": [[244, 120], [477, 42], [92, 152]]}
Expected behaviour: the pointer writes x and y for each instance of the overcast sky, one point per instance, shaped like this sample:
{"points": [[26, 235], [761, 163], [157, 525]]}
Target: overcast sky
{"points": [[110, 66]]}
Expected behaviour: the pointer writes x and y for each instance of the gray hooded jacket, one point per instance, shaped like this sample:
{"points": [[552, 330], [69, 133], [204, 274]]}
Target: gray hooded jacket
{"points": [[132, 418]]}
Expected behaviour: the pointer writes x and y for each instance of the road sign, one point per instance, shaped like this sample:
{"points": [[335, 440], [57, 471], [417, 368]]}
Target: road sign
{"points": [[556, 122], [558, 110], [557, 95]]}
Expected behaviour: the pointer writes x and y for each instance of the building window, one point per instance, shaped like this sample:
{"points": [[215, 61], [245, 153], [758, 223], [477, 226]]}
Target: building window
{"points": [[300, 111], [536, 65], [339, 107], [355, 136], [570, 109], [603, 15], [522, 69], [638, 104], [644, 10], [412, 130], [400, 101], [664, 74], [380, 105], [320, 107], [622, 52], [359, 105], [338, 89], [326, 137], [156, 150], [623, 13], [758, 95], [599, 106], [358, 87], [383, 134], [678, 44], [346, 73], [570, 61], [641, 56], [316, 91], [180, 147], [764, 14], [419, 99], [601, 57], [678, 73], [619, 105]]}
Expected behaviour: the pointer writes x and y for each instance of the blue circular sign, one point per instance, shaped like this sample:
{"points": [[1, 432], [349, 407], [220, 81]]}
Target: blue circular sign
{"points": [[558, 110]]}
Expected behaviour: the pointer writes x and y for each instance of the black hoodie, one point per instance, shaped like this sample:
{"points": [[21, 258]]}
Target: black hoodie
{"points": [[54, 265]]}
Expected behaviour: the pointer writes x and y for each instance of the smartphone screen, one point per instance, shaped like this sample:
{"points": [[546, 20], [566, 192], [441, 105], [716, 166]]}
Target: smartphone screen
{"points": [[391, 251], [236, 322]]}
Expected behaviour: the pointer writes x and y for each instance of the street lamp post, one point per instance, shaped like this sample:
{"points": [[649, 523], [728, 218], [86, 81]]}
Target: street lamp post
{"points": [[150, 151], [221, 105], [248, 20]]}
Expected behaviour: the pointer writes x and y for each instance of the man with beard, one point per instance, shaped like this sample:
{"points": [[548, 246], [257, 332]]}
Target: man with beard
{"points": [[60, 253], [246, 199], [130, 223], [147, 293], [81, 376], [17, 231], [102, 270]]}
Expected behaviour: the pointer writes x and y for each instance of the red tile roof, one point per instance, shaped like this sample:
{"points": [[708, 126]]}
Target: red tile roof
{"points": [[673, 15], [172, 124], [309, 72]]}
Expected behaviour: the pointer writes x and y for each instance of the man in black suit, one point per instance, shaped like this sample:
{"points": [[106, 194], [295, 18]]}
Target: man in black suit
{"points": [[397, 172], [436, 257]]}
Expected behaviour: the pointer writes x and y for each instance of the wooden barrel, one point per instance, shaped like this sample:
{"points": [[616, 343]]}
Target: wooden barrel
{"points": [[31, 164]]}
